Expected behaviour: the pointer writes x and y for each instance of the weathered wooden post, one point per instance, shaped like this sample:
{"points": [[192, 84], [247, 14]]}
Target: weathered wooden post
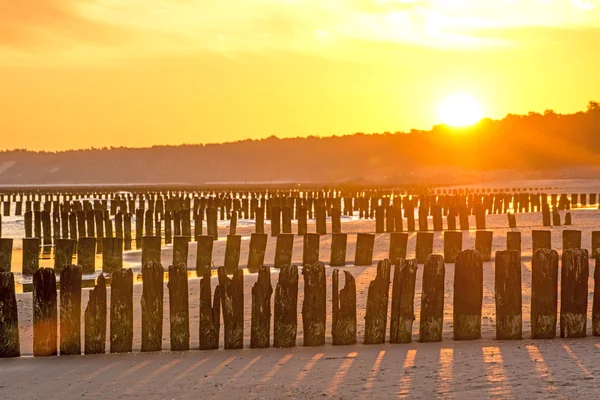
{"points": [[398, 244], [81, 223], [343, 326], [574, 293], [286, 219], [232, 303], [424, 246], [112, 254], [595, 242], [541, 240], [260, 327], [314, 305], [179, 307], [31, 254], [379, 219], [310, 253], [546, 214], [204, 249], [121, 311], [403, 299], [555, 217], [285, 322], [468, 295], [483, 244], [70, 310], [377, 305], [275, 220], [72, 226], [596, 301], [512, 220], [432, 299], [479, 212], [338, 249], [260, 220], [86, 254], [256, 252], [127, 231], [571, 239], [210, 311], [232, 253], [180, 250], [452, 245], [211, 223], [37, 224], [6, 246], [423, 224], [45, 310], [436, 213], [28, 224], [139, 228], [321, 218], [409, 213], [302, 220], [544, 289], [513, 241], [509, 321], [95, 319], [151, 251], [336, 220], [9, 317], [63, 254], [364, 249], [463, 218], [568, 219], [283, 249], [451, 219], [152, 305]]}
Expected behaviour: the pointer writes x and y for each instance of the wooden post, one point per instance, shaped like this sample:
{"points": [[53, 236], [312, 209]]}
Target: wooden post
{"points": [[9, 317], [179, 307], [423, 224], [571, 239], [112, 254], [95, 319], [285, 322], [338, 249], [28, 224], [210, 311], [452, 245], [409, 213], [479, 212], [260, 326], [45, 310], [152, 305], [379, 219], [127, 231], [403, 299], [343, 326], [541, 240], [310, 254], [314, 305], [275, 220], [121, 311], [483, 244], [513, 241], [432, 300], [283, 249], [70, 310], [31, 255], [424, 246], [596, 301], [468, 295], [377, 305], [260, 220], [286, 219], [574, 293], [204, 249], [436, 213], [555, 217], [568, 219], [86, 254], [463, 218], [509, 321], [151, 251], [6, 246], [302, 220], [180, 250], [256, 253], [211, 223], [546, 214], [232, 253], [336, 220], [364, 249], [512, 220], [63, 254], [544, 289], [595, 242], [398, 244], [232, 302]]}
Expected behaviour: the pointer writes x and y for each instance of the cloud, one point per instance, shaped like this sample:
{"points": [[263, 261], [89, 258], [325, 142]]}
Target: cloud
{"points": [[91, 29]]}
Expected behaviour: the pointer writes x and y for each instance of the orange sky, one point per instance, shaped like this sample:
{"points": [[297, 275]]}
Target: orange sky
{"points": [[94, 73]]}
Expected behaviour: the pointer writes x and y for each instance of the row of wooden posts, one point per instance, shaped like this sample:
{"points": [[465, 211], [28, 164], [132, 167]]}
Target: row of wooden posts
{"points": [[228, 299], [112, 256]]}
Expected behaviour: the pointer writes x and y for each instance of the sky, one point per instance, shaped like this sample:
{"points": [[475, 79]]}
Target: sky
{"points": [[137, 73]]}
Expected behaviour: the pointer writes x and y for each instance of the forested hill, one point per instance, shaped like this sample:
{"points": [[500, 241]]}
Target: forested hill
{"points": [[545, 145]]}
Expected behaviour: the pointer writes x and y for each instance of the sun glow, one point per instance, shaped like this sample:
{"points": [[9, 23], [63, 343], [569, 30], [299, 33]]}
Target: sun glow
{"points": [[460, 110]]}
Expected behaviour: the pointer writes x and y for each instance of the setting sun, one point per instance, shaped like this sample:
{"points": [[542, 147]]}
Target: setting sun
{"points": [[460, 110]]}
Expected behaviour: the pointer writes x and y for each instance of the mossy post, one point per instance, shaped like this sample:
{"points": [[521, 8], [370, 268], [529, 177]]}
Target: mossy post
{"points": [[541, 240], [256, 252], [377, 305], [544, 293], [338, 249], [483, 244], [112, 254], [95, 319], [232, 253], [232, 303], [86, 254], [9, 318], [70, 310], [179, 307], [121, 311], [283, 249], [151, 251], [210, 311], [285, 318], [260, 326], [310, 251], [452, 245], [424, 246], [364, 249], [432, 300], [63, 254], [6, 246], [204, 248], [398, 244], [574, 293], [45, 313], [180, 250], [343, 317], [509, 319], [315, 304], [571, 239], [403, 299], [468, 295]]}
